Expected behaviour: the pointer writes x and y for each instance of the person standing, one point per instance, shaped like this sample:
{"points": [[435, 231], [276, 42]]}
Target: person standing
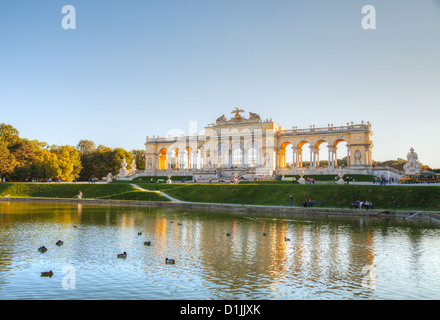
{"points": [[291, 201]]}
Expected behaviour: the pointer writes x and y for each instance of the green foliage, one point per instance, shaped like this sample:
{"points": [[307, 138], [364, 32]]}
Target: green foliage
{"points": [[68, 191], [139, 156], [86, 146], [97, 163], [69, 161], [333, 196]]}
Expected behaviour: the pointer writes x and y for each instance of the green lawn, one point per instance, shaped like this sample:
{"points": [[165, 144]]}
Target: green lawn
{"points": [[333, 196], [120, 191]]}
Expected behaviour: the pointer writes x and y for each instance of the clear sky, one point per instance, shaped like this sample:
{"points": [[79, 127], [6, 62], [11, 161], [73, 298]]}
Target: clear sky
{"points": [[134, 68]]}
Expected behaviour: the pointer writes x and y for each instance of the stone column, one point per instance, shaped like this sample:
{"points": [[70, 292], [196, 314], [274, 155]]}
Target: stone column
{"points": [[177, 159], [312, 156], [369, 156], [333, 162], [182, 160], [168, 161], [195, 159], [300, 157], [317, 157], [295, 157], [330, 156]]}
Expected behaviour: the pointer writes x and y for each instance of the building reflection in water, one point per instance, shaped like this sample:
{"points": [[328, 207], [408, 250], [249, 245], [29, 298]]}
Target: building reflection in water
{"points": [[324, 257]]}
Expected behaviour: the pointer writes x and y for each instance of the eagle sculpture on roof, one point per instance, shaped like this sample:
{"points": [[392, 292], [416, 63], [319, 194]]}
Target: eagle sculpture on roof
{"points": [[237, 113]]}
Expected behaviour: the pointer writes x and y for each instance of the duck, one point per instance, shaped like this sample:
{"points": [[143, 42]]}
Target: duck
{"points": [[264, 234], [122, 255], [59, 243], [47, 274], [286, 239], [179, 224], [170, 261], [42, 249], [147, 243], [139, 233], [228, 234]]}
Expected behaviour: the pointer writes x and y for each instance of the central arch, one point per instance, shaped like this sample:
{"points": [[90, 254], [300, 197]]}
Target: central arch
{"points": [[319, 153], [237, 155], [163, 159]]}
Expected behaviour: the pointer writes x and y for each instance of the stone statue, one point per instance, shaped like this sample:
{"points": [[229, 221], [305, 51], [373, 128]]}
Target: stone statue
{"points": [[266, 160], [254, 117], [109, 177], [412, 166], [237, 113], [301, 180], [341, 180], [357, 157], [221, 119], [123, 171], [133, 166]]}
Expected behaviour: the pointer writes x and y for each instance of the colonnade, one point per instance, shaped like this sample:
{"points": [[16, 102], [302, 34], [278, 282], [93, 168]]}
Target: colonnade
{"points": [[298, 159]]}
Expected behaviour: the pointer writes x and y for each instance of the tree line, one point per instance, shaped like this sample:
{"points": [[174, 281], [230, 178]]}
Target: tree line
{"points": [[22, 159]]}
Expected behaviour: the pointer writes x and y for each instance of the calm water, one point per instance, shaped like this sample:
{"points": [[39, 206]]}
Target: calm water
{"points": [[326, 257]]}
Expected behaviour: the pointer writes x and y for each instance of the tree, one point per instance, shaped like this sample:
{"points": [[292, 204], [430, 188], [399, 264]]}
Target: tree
{"points": [[7, 160], [69, 161], [139, 156], [9, 135], [86, 146], [98, 162], [45, 165]]}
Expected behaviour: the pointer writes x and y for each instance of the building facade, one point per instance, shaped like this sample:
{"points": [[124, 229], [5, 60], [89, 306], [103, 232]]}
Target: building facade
{"points": [[249, 146]]}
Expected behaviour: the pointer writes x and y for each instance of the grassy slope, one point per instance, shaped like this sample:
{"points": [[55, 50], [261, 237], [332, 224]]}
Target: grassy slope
{"points": [[336, 196], [68, 191]]}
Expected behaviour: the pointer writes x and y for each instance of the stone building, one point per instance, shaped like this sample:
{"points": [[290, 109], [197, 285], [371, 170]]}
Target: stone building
{"points": [[250, 146]]}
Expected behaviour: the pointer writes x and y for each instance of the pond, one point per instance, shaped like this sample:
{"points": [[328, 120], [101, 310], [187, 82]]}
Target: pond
{"points": [[218, 255]]}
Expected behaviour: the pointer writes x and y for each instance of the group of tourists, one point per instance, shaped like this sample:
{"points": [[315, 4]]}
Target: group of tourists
{"points": [[383, 180], [306, 203], [360, 205]]}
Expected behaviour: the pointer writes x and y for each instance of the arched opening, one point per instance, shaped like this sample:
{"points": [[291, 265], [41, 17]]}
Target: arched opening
{"points": [[237, 155], [252, 156], [199, 163], [174, 159], [163, 159], [222, 156], [286, 155], [302, 160], [341, 153], [322, 154], [187, 158]]}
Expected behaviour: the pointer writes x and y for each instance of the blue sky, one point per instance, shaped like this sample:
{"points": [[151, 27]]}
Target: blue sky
{"points": [[138, 67]]}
